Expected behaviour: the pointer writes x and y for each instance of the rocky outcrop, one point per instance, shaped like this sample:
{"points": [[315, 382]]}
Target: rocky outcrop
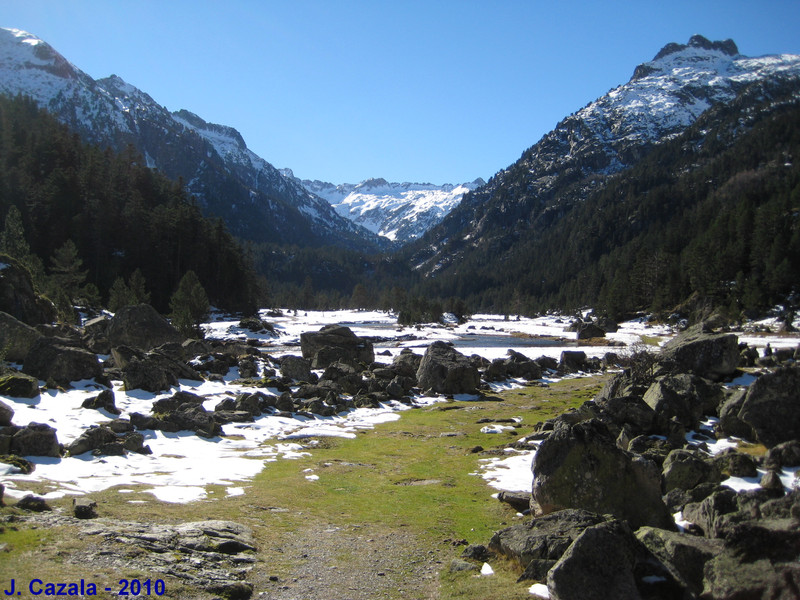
{"points": [[444, 370], [183, 411], [140, 326], [215, 556], [333, 343]]}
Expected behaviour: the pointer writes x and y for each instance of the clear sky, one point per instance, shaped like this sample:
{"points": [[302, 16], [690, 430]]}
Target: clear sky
{"points": [[439, 91]]}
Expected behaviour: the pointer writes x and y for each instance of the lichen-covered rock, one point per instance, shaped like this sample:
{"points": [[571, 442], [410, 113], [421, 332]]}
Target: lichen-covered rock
{"points": [[580, 466], [36, 439], [683, 554], [598, 565], [296, 367]]}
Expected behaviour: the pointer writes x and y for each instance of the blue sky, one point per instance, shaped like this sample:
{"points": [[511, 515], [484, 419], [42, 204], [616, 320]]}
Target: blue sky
{"points": [[439, 91]]}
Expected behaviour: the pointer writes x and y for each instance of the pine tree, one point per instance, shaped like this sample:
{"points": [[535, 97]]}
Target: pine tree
{"points": [[119, 295], [189, 305], [12, 238], [138, 288]]}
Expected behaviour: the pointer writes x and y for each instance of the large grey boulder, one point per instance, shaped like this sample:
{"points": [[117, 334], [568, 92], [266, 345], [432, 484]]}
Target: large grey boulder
{"points": [[296, 367], [536, 545], [58, 360], [684, 555], [16, 338], [598, 565], [729, 422], [711, 355], [580, 466], [37, 439], [686, 469], [333, 343], [444, 370], [683, 397], [140, 326], [772, 406]]}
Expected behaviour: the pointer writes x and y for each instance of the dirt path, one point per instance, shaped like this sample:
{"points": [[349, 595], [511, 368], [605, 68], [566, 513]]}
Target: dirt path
{"points": [[352, 563]]}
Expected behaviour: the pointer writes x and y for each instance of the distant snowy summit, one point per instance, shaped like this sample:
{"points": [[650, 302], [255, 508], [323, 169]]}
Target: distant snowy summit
{"points": [[400, 212]]}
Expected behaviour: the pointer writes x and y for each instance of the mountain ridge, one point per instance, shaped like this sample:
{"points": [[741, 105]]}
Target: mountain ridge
{"points": [[229, 181], [607, 136], [400, 212]]}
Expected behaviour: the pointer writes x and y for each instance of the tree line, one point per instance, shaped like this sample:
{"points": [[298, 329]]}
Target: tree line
{"points": [[101, 228]]}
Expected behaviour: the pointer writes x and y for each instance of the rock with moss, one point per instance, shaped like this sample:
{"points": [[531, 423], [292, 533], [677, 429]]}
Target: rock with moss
{"points": [[35, 439], [18, 385], [711, 355], [444, 370]]}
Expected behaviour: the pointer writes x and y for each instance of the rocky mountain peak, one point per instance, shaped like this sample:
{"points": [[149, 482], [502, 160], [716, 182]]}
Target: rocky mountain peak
{"points": [[698, 48]]}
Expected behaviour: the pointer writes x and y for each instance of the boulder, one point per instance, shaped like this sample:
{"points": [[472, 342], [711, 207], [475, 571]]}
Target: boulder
{"points": [[783, 455], [152, 371], [572, 361], [6, 413], [58, 360], [18, 385], [296, 367], [140, 326], [598, 565], [33, 503], [735, 464], [104, 400], [759, 560], [684, 555], [335, 342], [772, 406], [95, 335], [631, 411], [686, 469], [683, 397], [729, 422], [406, 363], [444, 370], [588, 331], [84, 508], [714, 356], [91, 439], [519, 365], [17, 295], [536, 545], [36, 439], [16, 338], [580, 466]]}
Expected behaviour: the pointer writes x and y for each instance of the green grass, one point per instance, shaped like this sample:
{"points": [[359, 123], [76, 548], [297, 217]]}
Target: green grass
{"points": [[402, 476]]}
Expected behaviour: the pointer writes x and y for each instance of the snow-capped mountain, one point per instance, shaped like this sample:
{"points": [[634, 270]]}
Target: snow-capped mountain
{"points": [[255, 200], [400, 212], [663, 97]]}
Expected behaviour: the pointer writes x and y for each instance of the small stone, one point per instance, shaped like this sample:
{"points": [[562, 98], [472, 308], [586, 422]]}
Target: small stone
{"points": [[84, 508]]}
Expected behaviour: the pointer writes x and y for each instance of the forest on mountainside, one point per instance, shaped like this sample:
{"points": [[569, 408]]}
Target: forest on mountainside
{"points": [[102, 217], [713, 213]]}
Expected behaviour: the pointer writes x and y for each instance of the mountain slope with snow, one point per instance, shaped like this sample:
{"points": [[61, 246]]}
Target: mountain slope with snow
{"points": [[254, 199], [607, 136], [400, 212]]}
